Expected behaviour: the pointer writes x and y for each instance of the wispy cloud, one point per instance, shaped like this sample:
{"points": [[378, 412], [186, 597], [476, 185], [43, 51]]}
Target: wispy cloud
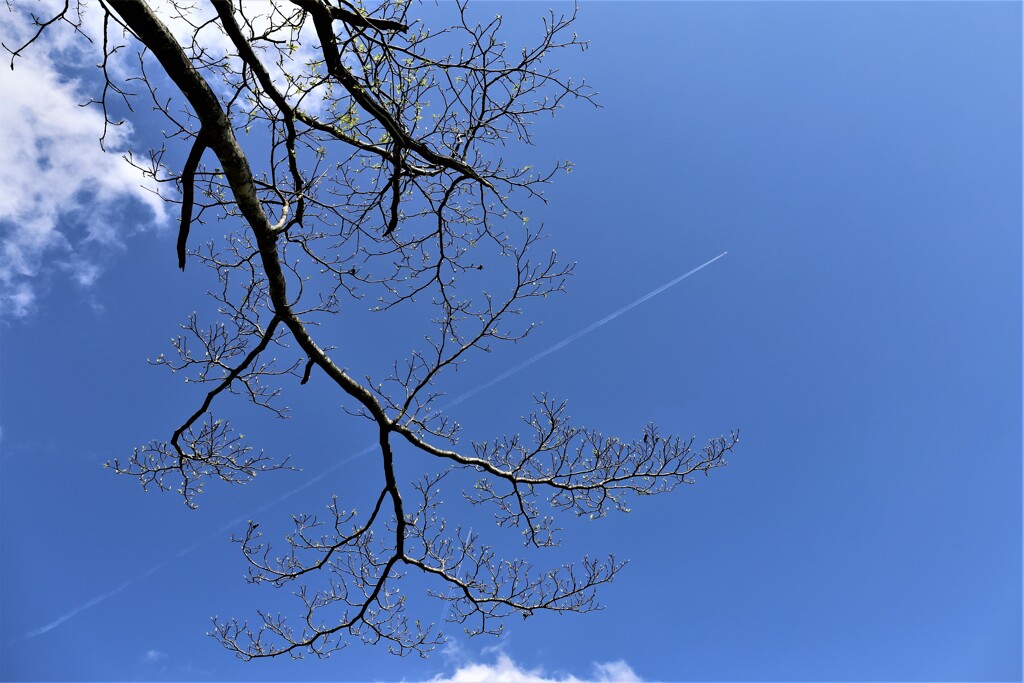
{"points": [[505, 670], [153, 656]]}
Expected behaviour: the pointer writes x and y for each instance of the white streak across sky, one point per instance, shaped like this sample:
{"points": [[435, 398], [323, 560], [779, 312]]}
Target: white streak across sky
{"points": [[102, 597], [582, 333]]}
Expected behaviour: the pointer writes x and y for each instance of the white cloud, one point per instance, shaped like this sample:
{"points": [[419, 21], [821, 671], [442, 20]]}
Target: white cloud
{"points": [[616, 671], [504, 670], [63, 195]]}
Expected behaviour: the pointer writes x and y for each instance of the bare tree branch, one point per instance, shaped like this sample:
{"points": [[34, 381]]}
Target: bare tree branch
{"points": [[358, 153], [188, 179]]}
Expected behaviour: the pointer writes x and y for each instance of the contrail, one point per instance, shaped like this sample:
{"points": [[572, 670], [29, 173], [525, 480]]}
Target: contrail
{"points": [[95, 601], [582, 333], [333, 468]]}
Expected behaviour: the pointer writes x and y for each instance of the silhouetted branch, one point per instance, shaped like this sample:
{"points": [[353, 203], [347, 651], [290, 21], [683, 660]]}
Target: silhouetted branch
{"points": [[188, 179], [370, 160]]}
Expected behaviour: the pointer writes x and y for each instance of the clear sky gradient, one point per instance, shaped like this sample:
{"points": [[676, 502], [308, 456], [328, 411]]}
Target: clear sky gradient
{"points": [[861, 164]]}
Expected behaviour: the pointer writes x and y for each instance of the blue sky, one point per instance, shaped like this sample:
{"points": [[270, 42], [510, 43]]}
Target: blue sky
{"points": [[860, 162]]}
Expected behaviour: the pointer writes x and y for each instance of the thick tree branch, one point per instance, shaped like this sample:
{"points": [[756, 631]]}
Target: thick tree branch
{"points": [[188, 180], [355, 19], [159, 40], [329, 45]]}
